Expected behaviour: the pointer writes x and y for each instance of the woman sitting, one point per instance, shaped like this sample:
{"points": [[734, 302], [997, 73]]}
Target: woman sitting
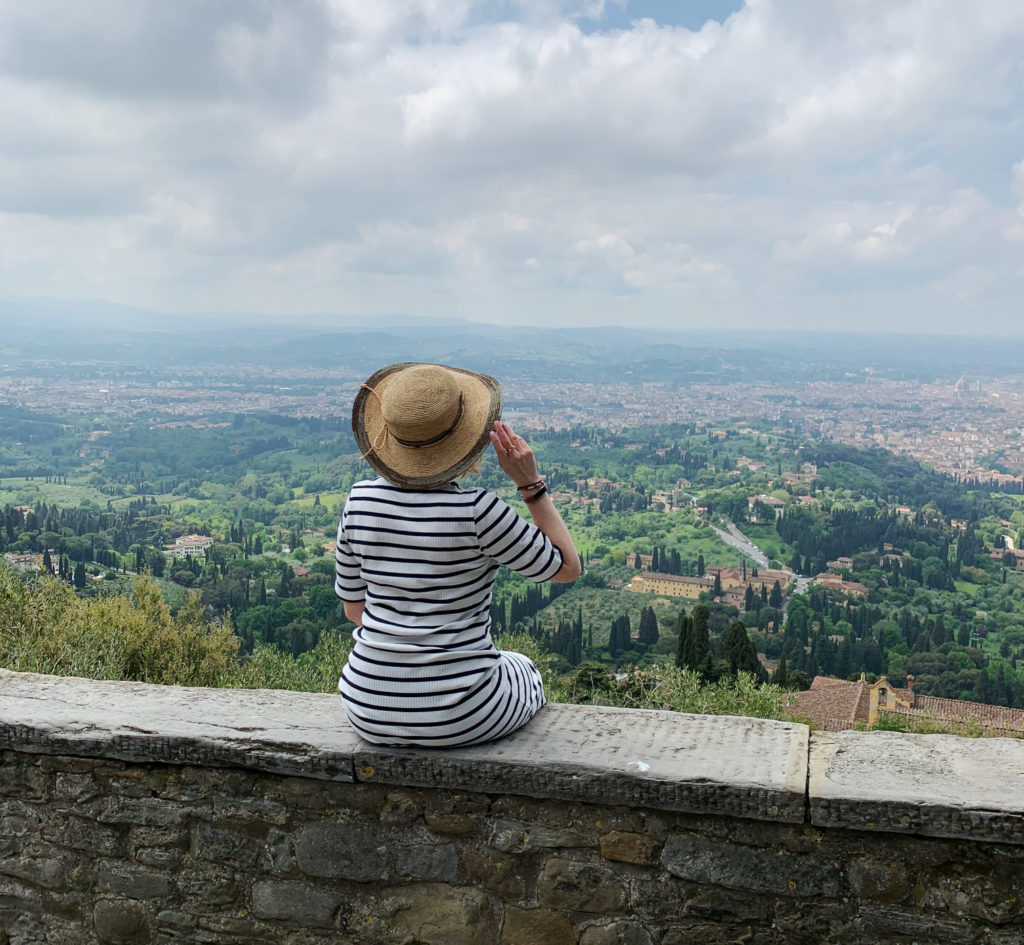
{"points": [[417, 557]]}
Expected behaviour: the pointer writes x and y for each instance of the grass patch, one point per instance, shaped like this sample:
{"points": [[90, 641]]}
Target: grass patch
{"points": [[327, 499], [21, 491]]}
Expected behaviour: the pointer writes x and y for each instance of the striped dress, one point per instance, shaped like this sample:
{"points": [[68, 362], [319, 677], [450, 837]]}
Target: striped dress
{"points": [[423, 669]]}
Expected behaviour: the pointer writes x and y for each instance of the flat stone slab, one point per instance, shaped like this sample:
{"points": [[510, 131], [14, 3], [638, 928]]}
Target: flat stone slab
{"points": [[722, 765], [270, 730], [932, 785]]}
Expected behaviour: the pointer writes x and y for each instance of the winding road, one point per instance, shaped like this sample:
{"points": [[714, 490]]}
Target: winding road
{"points": [[733, 537]]}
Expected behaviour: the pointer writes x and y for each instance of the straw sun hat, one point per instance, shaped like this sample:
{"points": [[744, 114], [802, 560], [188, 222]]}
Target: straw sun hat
{"points": [[423, 425]]}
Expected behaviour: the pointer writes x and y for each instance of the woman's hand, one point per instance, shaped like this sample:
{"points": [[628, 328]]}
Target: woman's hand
{"points": [[514, 454]]}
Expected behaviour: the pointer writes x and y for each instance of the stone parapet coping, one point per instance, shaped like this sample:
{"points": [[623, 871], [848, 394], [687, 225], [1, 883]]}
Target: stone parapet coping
{"points": [[932, 785]]}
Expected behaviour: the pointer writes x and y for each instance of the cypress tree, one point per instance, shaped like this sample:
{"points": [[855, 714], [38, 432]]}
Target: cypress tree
{"points": [[685, 644], [736, 649], [694, 650], [781, 674], [648, 634]]}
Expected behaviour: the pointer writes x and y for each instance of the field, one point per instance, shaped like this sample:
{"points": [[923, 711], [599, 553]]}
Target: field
{"points": [[21, 491]]}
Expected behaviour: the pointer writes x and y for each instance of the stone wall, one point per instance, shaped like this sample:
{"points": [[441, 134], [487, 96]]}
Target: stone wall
{"points": [[138, 814]]}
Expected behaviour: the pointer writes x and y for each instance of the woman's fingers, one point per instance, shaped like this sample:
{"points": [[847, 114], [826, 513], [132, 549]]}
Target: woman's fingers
{"points": [[503, 438]]}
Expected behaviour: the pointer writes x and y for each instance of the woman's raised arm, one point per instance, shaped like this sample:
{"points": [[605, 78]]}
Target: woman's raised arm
{"points": [[518, 462]]}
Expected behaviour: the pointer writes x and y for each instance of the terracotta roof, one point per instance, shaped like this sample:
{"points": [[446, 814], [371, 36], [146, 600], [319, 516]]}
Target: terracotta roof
{"points": [[994, 719], [830, 700], [837, 704]]}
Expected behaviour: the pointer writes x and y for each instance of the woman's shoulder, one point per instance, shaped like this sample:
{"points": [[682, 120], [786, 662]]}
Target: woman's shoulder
{"points": [[381, 487]]}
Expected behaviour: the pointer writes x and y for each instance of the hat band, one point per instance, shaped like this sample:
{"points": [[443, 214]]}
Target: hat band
{"points": [[415, 444]]}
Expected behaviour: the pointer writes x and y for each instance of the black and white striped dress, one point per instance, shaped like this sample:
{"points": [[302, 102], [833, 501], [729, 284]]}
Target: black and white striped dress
{"points": [[423, 669]]}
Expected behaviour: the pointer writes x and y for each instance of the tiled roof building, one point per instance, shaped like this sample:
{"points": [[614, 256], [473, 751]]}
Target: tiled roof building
{"points": [[670, 585], [837, 704]]}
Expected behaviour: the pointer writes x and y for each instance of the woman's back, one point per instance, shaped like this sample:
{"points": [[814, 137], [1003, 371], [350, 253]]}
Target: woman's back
{"points": [[426, 560], [423, 669]]}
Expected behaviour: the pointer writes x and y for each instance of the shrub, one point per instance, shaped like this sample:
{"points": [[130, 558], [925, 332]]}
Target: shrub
{"points": [[48, 629]]}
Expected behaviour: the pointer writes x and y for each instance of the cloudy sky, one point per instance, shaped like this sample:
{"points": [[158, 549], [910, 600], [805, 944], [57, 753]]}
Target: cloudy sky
{"points": [[773, 163]]}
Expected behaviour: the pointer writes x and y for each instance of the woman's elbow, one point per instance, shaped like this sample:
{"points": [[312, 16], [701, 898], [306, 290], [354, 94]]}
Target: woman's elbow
{"points": [[568, 572]]}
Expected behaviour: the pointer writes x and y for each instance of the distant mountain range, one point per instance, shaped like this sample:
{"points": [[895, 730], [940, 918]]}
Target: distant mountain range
{"points": [[80, 331]]}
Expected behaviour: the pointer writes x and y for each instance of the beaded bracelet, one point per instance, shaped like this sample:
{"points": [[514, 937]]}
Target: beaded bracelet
{"points": [[543, 490], [529, 487]]}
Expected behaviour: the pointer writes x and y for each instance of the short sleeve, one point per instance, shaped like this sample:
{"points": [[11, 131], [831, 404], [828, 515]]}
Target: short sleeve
{"points": [[514, 542], [348, 581]]}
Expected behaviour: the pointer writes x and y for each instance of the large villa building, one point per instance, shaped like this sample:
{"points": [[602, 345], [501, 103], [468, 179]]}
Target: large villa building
{"points": [[670, 585], [188, 545]]}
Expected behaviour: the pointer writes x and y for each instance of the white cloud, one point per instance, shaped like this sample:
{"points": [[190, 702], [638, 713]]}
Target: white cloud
{"points": [[416, 155]]}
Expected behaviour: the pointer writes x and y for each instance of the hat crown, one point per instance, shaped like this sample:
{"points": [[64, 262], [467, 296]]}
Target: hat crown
{"points": [[421, 403]]}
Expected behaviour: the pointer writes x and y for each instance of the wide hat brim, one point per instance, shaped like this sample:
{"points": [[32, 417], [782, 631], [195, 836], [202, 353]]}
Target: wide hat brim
{"points": [[426, 467]]}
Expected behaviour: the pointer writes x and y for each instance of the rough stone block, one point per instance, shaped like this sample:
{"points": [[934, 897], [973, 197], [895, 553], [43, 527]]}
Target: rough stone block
{"points": [[496, 872], [658, 895], [990, 892], [751, 768], [19, 895], [726, 905], [174, 919], [452, 825], [536, 927], [512, 836], [78, 834], [232, 810], [626, 847], [719, 863], [878, 924], [294, 902], [118, 922], [425, 914], [935, 785], [134, 883], [19, 780], [147, 811], [269, 730], [883, 880], [438, 862], [225, 846], [615, 933], [44, 871], [400, 809], [161, 858], [581, 887], [702, 933], [340, 851], [208, 884]]}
